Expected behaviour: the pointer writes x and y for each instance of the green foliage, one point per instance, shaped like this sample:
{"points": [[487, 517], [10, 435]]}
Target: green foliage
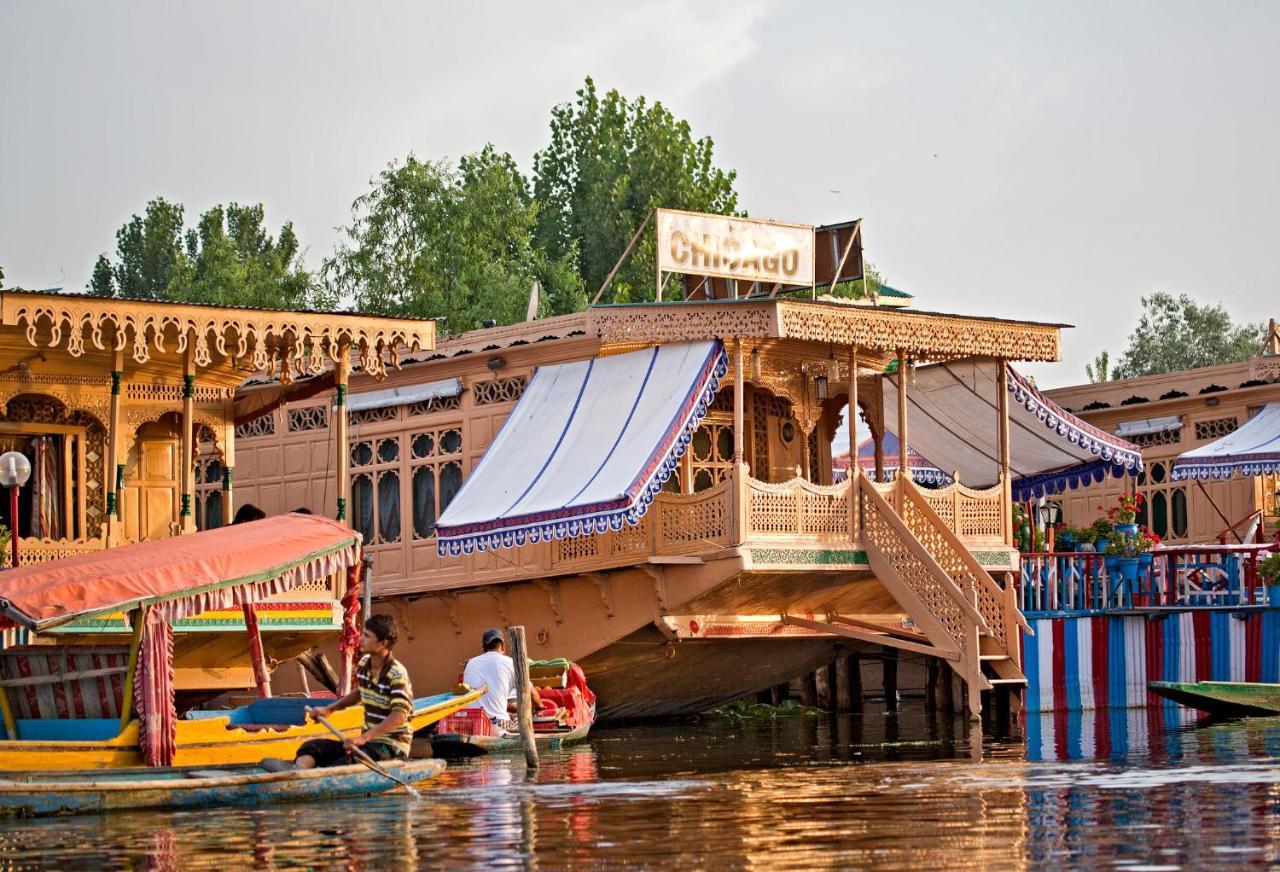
{"points": [[1177, 333], [1270, 569], [745, 709], [227, 259], [1, 276], [1127, 545], [1100, 369], [868, 286], [429, 240], [609, 162]]}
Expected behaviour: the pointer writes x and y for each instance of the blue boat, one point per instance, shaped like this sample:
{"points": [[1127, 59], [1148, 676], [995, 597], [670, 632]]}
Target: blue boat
{"points": [[97, 791]]}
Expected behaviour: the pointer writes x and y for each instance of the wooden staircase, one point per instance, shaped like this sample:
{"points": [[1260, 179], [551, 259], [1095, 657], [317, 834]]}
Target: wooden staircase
{"points": [[969, 619]]}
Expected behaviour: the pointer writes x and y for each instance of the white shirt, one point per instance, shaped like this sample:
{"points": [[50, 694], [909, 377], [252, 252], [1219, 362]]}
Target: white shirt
{"points": [[497, 672]]}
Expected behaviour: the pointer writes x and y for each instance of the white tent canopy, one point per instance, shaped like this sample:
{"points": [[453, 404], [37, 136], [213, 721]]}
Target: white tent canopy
{"points": [[586, 448], [953, 419], [1254, 449]]}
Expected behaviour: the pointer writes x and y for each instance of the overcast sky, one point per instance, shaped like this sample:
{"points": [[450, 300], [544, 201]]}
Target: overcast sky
{"points": [[1010, 159]]}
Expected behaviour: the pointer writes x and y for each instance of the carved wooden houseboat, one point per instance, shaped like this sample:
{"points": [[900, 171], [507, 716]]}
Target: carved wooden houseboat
{"points": [[648, 489]]}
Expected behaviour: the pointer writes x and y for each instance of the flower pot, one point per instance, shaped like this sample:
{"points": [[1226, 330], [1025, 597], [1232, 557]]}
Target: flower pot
{"points": [[1128, 567], [1145, 559], [1100, 545], [1127, 529], [1112, 562]]}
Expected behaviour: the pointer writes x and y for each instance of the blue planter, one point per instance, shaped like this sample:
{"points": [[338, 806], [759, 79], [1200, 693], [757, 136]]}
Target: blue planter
{"points": [[1128, 567], [1127, 529], [1100, 545], [1273, 595], [1113, 565], [1145, 559]]}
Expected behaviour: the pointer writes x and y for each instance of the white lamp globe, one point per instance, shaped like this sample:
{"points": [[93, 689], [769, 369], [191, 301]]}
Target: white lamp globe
{"points": [[15, 469]]}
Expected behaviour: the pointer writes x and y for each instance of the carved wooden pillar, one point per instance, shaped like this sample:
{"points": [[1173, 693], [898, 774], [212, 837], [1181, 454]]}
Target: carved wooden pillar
{"points": [[739, 394], [186, 518], [877, 438], [229, 465], [853, 443], [340, 429], [114, 512], [903, 450], [1006, 480]]}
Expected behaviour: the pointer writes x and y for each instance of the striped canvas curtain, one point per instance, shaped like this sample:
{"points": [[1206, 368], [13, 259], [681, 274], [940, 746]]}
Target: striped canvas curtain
{"points": [[153, 693], [46, 489]]}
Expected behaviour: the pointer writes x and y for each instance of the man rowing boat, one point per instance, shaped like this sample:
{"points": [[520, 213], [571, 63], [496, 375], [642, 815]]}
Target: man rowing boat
{"points": [[383, 689]]}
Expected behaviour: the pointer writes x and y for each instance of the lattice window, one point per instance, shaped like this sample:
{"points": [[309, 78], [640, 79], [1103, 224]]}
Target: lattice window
{"points": [[308, 418], [374, 416], [502, 390], [1215, 428], [760, 438], [1151, 440], [264, 426], [376, 488], [723, 401], [711, 452], [1164, 506], [435, 458], [433, 405], [815, 466], [208, 495]]}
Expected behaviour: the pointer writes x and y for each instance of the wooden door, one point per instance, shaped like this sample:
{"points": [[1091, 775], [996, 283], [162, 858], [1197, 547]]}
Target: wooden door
{"points": [[150, 499]]}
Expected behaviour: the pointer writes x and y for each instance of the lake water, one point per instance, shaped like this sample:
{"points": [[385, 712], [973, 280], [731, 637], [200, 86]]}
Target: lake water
{"points": [[1128, 790]]}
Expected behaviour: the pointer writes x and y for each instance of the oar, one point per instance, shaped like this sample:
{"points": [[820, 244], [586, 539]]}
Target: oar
{"points": [[366, 759]]}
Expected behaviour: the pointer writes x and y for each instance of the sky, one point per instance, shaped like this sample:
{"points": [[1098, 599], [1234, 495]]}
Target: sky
{"points": [[1018, 160]]}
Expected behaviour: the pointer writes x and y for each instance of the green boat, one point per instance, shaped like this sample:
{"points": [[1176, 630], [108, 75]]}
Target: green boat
{"points": [[1224, 699]]}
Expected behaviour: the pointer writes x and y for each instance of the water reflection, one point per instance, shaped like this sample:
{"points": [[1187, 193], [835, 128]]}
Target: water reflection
{"points": [[905, 791]]}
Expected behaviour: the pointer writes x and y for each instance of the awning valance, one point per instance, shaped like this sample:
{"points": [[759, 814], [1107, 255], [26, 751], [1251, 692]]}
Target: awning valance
{"points": [[183, 575], [403, 396], [1254, 449], [1147, 426], [952, 418], [586, 448]]}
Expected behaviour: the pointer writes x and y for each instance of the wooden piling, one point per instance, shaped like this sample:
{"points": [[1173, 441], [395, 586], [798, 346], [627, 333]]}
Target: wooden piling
{"points": [[524, 701], [931, 685], [822, 684], [808, 690], [890, 679], [855, 682], [946, 697], [844, 699]]}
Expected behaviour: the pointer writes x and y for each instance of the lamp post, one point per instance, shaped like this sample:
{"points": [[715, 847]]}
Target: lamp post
{"points": [[15, 469], [1050, 513]]}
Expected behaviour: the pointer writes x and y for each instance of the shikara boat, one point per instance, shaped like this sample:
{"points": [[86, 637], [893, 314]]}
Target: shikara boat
{"points": [[110, 642], [1225, 699], [569, 710], [89, 792]]}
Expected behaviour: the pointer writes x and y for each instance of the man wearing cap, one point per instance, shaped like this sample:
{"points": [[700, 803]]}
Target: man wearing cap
{"points": [[496, 672]]}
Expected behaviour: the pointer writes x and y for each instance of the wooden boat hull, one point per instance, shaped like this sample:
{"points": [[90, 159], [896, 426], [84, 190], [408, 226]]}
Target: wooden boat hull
{"points": [[465, 745], [205, 742], [1226, 699], [43, 795]]}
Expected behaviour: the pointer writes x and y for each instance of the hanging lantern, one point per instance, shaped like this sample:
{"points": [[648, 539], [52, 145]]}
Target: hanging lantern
{"points": [[820, 388]]}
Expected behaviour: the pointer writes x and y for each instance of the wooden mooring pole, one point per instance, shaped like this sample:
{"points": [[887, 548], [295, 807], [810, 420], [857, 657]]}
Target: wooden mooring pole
{"points": [[524, 701]]}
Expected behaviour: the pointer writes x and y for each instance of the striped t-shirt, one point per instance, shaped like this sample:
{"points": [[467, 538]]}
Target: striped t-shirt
{"points": [[380, 696]]}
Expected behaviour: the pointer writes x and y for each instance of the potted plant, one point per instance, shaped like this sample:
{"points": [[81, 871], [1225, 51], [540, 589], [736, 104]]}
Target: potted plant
{"points": [[1269, 569], [1124, 553], [1102, 533], [1124, 514], [1085, 538], [1149, 540], [1068, 537]]}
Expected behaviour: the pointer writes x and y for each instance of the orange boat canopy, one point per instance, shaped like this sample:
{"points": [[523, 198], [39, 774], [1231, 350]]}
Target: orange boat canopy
{"points": [[184, 575]]}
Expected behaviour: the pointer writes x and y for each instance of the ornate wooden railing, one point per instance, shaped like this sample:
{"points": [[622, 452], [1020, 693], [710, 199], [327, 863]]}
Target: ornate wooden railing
{"points": [[994, 602], [33, 550], [796, 510], [910, 563], [976, 516]]}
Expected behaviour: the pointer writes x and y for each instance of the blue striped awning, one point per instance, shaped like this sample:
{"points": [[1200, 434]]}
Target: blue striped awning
{"points": [[586, 448]]}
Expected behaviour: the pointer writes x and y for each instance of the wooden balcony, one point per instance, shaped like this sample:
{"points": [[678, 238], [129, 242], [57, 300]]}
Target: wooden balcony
{"points": [[740, 511]]}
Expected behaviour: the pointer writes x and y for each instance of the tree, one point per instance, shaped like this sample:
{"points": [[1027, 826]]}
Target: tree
{"points": [[429, 240], [1177, 333], [1100, 369], [608, 163], [227, 259]]}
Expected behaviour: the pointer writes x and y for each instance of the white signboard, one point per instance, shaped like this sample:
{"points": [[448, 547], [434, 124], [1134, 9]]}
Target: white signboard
{"points": [[735, 248]]}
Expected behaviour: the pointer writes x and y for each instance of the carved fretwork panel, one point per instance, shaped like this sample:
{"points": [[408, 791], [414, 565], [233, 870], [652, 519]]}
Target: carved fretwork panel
{"points": [[39, 409]]}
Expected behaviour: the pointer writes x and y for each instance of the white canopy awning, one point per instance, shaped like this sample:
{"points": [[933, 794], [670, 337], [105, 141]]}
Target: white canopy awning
{"points": [[1148, 426], [953, 419], [403, 396], [586, 448], [1254, 449]]}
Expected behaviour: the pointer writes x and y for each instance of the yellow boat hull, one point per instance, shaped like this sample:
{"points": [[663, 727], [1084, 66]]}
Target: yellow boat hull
{"points": [[204, 742]]}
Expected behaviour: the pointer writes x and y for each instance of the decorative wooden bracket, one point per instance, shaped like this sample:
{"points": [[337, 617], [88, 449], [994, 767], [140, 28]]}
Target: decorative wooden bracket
{"points": [[659, 583], [553, 595], [451, 600], [605, 584], [503, 600]]}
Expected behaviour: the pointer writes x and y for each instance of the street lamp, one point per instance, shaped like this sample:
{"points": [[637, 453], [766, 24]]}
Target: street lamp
{"points": [[15, 469], [1050, 513]]}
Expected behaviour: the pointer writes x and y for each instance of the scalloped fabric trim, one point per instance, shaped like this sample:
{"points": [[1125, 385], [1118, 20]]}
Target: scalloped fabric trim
{"points": [[1108, 447]]}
